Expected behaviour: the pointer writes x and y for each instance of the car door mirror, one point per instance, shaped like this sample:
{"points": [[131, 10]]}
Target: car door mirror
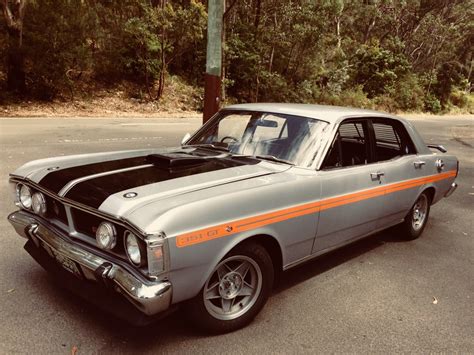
{"points": [[185, 138]]}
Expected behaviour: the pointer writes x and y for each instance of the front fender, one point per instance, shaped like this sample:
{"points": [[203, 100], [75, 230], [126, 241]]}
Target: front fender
{"points": [[188, 281]]}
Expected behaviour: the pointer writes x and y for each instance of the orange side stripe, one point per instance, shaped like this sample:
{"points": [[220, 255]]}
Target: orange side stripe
{"points": [[245, 224]]}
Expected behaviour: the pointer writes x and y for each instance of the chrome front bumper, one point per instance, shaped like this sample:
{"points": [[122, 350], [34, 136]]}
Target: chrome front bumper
{"points": [[150, 297], [452, 188]]}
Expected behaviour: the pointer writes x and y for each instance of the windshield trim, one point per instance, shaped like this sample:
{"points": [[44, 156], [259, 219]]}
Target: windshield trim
{"points": [[286, 113]]}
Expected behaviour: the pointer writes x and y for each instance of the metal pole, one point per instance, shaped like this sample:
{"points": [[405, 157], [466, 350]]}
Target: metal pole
{"points": [[212, 79]]}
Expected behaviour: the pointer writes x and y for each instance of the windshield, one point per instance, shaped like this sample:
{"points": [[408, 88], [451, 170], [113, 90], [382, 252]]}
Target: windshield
{"points": [[293, 139]]}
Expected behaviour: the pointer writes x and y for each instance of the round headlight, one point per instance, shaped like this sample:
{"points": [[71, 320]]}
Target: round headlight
{"points": [[24, 195], [132, 248], [39, 203], [106, 235]]}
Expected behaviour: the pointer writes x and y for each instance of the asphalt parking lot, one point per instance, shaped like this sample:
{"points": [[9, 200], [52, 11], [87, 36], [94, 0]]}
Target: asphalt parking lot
{"points": [[379, 295]]}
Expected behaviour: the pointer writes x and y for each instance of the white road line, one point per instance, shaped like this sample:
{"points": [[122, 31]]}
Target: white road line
{"points": [[108, 139], [155, 124]]}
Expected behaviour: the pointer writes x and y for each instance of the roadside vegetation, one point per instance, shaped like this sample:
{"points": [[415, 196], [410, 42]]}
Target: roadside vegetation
{"points": [[150, 54]]}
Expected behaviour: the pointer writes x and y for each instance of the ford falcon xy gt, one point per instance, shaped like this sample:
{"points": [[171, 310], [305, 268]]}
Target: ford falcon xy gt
{"points": [[258, 189]]}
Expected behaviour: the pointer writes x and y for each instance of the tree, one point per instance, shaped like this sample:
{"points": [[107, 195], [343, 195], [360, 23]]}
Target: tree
{"points": [[160, 35], [14, 13]]}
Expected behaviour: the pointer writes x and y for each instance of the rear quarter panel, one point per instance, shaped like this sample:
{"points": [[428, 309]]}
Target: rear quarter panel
{"points": [[450, 168]]}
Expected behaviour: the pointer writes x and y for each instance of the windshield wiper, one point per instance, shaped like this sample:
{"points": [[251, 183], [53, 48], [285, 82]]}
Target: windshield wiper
{"points": [[209, 145], [273, 158], [224, 148]]}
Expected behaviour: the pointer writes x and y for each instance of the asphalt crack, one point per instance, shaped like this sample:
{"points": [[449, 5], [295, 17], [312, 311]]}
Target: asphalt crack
{"points": [[459, 140]]}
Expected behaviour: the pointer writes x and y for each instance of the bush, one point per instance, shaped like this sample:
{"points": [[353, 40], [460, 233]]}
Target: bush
{"points": [[272, 87], [432, 104], [459, 98], [408, 94], [386, 103], [351, 98], [378, 69]]}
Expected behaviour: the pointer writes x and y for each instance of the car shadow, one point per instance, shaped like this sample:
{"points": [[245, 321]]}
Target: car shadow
{"points": [[323, 263], [176, 327]]}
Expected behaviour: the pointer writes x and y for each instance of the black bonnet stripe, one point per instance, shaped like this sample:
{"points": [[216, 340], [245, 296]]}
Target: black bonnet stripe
{"points": [[56, 180], [95, 191]]}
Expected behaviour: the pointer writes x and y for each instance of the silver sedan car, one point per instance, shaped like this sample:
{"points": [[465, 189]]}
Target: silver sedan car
{"points": [[258, 189]]}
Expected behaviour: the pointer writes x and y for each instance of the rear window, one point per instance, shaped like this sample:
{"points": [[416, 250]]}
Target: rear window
{"points": [[391, 140], [352, 130], [386, 136]]}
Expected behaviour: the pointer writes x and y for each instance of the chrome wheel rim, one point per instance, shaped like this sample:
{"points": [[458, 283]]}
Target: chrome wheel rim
{"points": [[420, 210], [233, 287]]}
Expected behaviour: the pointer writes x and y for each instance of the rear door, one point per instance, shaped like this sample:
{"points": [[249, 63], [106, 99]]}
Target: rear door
{"points": [[403, 170], [351, 187]]}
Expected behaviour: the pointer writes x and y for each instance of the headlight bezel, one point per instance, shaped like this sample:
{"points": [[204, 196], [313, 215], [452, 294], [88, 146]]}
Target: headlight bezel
{"points": [[19, 189], [113, 238], [141, 248], [42, 203]]}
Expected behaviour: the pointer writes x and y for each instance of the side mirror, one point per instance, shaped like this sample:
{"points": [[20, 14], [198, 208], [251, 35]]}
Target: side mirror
{"points": [[185, 138]]}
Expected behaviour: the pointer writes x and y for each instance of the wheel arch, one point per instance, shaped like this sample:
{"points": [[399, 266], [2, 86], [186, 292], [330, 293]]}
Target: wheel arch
{"points": [[431, 192], [266, 240], [271, 245]]}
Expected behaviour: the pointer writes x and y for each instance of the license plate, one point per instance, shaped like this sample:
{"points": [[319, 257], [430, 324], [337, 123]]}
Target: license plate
{"points": [[65, 262]]}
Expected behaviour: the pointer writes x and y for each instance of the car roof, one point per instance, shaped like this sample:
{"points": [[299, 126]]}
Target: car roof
{"points": [[331, 114]]}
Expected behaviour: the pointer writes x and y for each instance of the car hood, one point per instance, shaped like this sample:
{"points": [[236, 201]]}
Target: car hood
{"points": [[119, 183]]}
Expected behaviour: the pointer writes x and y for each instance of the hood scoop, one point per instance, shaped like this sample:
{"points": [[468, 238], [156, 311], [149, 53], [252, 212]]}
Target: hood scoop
{"points": [[177, 160]]}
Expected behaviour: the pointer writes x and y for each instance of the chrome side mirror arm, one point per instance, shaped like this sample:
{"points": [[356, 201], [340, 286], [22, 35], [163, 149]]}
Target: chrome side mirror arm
{"points": [[185, 138]]}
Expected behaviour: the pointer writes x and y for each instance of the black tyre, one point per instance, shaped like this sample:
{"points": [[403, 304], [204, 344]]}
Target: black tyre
{"points": [[236, 291], [416, 219]]}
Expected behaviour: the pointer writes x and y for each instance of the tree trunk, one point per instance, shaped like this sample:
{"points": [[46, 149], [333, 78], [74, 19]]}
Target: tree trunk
{"points": [[338, 31], [258, 9], [14, 12], [161, 81], [369, 28], [223, 70]]}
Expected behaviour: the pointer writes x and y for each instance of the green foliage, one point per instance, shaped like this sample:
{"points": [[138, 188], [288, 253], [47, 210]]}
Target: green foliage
{"points": [[432, 104], [159, 35], [449, 75], [353, 98], [394, 55], [462, 100], [378, 69], [56, 45], [408, 94]]}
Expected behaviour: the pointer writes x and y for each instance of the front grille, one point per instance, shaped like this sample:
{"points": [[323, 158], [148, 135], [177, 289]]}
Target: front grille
{"points": [[55, 210], [87, 224], [79, 224]]}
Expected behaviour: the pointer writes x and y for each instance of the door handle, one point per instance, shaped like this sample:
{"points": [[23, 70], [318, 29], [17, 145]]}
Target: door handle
{"points": [[377, 175], [418, 164]]}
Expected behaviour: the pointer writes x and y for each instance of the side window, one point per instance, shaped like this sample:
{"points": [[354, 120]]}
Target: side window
{"points": [[391, 140], [350, 147]]}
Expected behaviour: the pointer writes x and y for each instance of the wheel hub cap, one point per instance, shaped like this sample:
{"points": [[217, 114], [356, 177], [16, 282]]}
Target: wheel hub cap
{"points": [[416, 214], [230, 285], [233, 287], [419, 212]]}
